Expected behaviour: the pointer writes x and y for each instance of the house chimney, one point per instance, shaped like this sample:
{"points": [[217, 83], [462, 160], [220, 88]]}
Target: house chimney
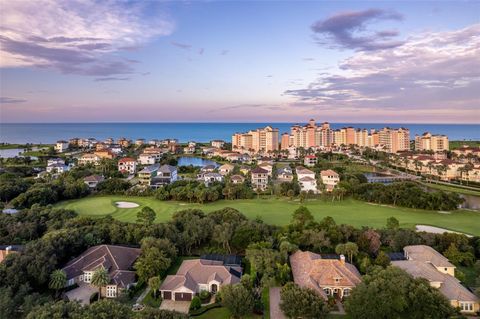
{"points": [[342, 259]]}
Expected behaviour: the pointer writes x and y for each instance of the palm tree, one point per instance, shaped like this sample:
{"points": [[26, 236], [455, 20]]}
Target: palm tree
{"points": [[154, 284], [58, 280], [100, 278]]}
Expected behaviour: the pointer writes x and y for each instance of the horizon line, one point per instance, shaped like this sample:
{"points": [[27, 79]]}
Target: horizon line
{"points": [[247, 122]]}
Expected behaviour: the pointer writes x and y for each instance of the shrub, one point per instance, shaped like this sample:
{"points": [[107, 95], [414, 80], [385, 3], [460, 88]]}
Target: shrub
{"points": [[204, 296], [196, 303]]}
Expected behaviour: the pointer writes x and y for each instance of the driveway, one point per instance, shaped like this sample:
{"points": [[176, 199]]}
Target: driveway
{"points": [[82, 293], [275, 311], [178, 306]]}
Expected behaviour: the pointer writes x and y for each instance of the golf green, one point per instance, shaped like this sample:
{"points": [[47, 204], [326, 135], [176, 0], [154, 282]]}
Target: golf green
{"points": [[279, 211]]}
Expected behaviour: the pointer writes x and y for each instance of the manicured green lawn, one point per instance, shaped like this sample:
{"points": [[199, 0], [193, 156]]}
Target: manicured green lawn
{"points": [[222, 313], [279, 211]]}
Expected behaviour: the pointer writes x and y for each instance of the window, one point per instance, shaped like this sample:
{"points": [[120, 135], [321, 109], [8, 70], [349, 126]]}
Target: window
{"points": [[87, 277], [111, 291], [446, 269], [466, 306], [327, 291], [346, 292]]}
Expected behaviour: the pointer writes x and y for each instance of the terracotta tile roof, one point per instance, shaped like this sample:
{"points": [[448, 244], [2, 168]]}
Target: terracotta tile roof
{"points": [[311, 271], [127, 159], [328, 172], [93, 178]]}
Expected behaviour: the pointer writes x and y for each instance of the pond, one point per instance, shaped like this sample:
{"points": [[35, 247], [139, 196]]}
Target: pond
{"points": [[195, 161], [9, 153]]}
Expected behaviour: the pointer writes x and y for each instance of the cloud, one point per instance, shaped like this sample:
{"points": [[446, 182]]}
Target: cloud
{"points": [[431, 71], [80, 37], [348, 30], [10, 100], [201, 50], [181, 45], [111, 78], [224, 52]]}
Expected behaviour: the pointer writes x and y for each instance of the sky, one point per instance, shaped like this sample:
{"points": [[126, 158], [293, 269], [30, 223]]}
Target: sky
{"points": [[239, 61]]}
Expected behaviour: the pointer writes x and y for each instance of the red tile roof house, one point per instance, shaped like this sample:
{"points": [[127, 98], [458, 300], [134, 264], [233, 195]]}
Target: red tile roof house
{"points": [[328, 277], [196, 275], [127, 165], [117, 260]]}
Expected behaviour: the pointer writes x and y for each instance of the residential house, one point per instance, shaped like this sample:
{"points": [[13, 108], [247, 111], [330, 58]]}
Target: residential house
{"points": [[189, 149], [310, 160], [93, 180], [105, 154], [61, 146], [328, 277], [244, 169], [56, 165], [146, 175], [124, 142], [127, 165], [217, 143], [285, 174], [89, 159], [117, 260], [425, 262], [166, 174], [237, 179], [330, 179], [208, 169], [139, 141], [154, 151], [212, 177], [115, 148], [226, 169], [146, 159], [259, 178], [268, 167], [196, 275], [306, 179], [9, 249]]}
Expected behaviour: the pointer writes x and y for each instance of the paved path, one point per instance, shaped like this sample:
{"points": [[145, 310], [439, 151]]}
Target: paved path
{"points": [[275, 312], [172, 305], [340, 311], [143, 294]]}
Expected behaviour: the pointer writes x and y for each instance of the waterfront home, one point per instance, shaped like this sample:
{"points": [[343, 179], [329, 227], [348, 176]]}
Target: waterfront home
{"points": [[285, 174], [259, 178], [212, 177], [207, 169], [89, 159], [226, 169], [9, 249], [208, 151], [189, 150], [61, 146], [306, 179], [145, 175], [57, 168], [425, 262], [327, 277], [124, 142], [217, 143], [87, 143], [166, 174], [93, 180], [117, 260], [310, 160], [330, 179], [154, 151], [146, 159], [197, 275], [115, 148], [237, 179], [105, 154], [153, 142], [127, 165]]}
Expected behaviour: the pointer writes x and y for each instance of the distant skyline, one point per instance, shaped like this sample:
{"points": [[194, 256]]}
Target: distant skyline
{"points": [[239, 61]]}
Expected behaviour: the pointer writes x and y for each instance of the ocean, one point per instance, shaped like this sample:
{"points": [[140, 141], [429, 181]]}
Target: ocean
{"points": [[199, 132]]}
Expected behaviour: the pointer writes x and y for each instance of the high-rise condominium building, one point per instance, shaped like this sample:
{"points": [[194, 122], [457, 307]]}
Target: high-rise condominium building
{"points": [[429, 142], [309, 135], [394, 140], [259, 140]]}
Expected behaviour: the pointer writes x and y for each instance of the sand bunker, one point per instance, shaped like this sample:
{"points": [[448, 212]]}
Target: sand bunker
{"points": [[436, 230], [126, 204]]}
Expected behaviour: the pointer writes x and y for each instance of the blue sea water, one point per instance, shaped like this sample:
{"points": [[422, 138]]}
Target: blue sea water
{"points": [[200, 132]]}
